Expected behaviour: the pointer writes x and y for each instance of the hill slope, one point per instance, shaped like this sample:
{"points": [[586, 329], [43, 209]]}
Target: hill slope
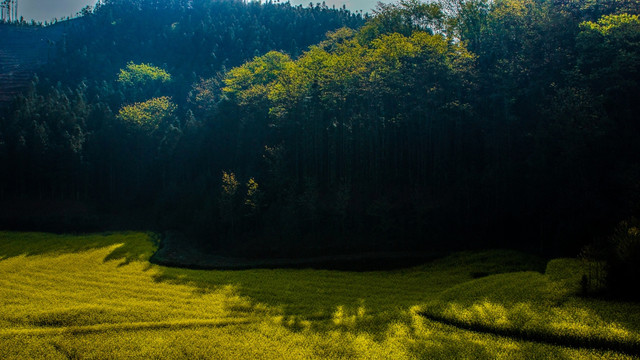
{"points": [[23, 49]]}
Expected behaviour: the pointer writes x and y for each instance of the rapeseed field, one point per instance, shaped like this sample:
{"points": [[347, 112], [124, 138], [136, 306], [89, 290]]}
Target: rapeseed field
{"points": [[98, 297]]}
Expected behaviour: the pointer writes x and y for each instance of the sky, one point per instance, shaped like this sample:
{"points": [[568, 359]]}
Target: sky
{"points": [[46, 10]]}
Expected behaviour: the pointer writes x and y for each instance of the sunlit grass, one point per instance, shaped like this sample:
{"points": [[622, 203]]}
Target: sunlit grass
{"points": [[97, 296], [540, 306]]}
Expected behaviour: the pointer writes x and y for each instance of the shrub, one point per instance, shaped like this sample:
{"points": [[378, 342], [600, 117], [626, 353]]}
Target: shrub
{"points": [[624, 259], [613, 265]]}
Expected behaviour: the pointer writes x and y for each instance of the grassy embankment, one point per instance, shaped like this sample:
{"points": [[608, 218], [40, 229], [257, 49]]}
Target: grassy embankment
{"points": [[97, 296]]}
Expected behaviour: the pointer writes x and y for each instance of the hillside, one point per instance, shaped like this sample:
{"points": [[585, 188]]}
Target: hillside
{"points": [[195, 41], [230, 179], [265, 130], [189, 39], [23, 50]]}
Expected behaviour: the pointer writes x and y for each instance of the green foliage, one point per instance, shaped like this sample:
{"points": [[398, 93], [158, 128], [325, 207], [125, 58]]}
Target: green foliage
{"points": [[610, 24], [229, 184], [403, 17], [142, 75], [611, 265], [626, 240], [253, 198], [623, 262], [470, 22], [229, 198], [250, 81], [148, 115], [205, 94], [341, 91], [187, 38], [142, 81], [610, 53], [448, 124], [341, 65]]}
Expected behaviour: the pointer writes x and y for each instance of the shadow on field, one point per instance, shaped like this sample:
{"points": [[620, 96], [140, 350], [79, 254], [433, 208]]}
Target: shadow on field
{"points": [[337, 313], [577, 341], [543, 308], [176, 250], [133, 245], [377, 304], [319, 293]]}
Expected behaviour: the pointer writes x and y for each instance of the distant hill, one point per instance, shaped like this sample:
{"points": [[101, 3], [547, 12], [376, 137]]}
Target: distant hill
{"points": [[508, 124], [189, 39], [23, 49], [72, 110]]}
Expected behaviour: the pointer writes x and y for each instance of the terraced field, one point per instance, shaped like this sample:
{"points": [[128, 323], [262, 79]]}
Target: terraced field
{"points": [[98, 297], [22, 50]]}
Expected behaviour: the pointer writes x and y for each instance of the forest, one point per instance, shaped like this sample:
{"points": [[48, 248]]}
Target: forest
{"points": [[226, 179], [267, 129]]}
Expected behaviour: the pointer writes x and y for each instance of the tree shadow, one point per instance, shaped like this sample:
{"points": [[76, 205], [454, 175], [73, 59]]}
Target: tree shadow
{"points": [[134, 246], [541, 308], [326, 299]]}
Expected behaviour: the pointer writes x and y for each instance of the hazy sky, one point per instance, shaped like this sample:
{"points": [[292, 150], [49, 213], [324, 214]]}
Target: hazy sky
{"points": [[353, 5], [44, 10]]}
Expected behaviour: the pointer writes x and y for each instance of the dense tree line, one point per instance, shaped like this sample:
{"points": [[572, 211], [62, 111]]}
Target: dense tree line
{"points": [[459, 123], [190, 39], [68, 137]]}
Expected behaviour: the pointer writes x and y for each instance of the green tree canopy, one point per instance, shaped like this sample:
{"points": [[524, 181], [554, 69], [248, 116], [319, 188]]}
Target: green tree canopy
{"points": [[404, 17], [610, 50], [250, 80], [142, 75], [148, 115]]}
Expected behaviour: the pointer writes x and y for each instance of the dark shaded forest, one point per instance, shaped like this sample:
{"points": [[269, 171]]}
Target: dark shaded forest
{"points": [[279, 130]]}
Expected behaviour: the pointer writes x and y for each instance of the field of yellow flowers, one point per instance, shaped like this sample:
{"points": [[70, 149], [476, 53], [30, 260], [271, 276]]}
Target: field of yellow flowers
{"points": [[98, 297]]}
